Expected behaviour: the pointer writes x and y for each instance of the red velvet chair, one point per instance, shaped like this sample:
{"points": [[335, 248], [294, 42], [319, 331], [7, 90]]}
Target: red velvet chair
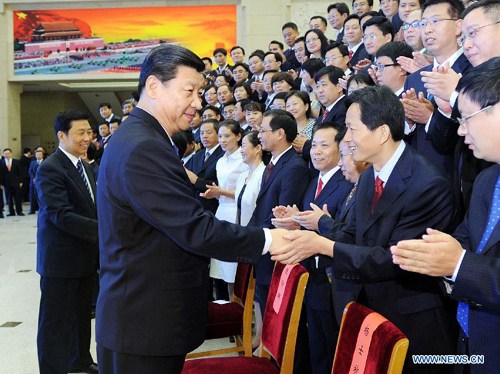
{"points": [[279, 331], [234, 318], [368, 343]]}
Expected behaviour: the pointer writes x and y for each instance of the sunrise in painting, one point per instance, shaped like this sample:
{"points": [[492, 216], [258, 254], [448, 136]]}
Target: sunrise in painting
{"points": [[114, 39]]}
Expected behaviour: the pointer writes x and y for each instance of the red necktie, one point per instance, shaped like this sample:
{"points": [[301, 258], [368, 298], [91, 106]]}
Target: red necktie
{"points": [[319, 189], [379, 187], [325, 114], [350, 54], [268, 170]]}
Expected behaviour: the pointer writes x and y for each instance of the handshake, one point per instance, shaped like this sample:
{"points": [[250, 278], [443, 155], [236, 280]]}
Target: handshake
{"points": [[291, 245]]}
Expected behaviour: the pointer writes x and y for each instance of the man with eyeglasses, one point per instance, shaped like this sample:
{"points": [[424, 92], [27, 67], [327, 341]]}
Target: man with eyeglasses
{"points": [[337, 55], [377, 32], [480, 40], [470, 259], [439, 28], [411, 31], [337, 14], [387, 71]]}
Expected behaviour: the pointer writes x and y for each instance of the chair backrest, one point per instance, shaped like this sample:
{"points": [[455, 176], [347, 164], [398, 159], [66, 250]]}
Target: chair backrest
{"points": [[282, 314], [368, 343], [241, 281]]}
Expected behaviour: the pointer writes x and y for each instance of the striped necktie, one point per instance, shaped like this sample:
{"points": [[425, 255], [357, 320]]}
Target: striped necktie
{"points": [[79, 166]]}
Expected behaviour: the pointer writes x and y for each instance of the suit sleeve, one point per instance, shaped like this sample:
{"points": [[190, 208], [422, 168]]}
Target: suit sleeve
{"points": [[294, 185], [54, 197], [435, 208], [164, 200]]}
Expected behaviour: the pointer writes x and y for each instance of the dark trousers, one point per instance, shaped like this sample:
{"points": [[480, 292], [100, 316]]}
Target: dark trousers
{"points": [[33, 198], [323, 332], [111, 362], [63, 339], [13, 195], [221, 290], [261, 293]]}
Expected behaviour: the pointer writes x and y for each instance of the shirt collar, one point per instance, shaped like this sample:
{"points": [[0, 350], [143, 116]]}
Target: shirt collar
{"points": [[74, 160], [451, 60], [330, 107], [275, 159], [387, 169], [327, 176]]}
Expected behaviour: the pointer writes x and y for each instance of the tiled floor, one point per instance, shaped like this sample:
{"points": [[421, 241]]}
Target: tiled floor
{"points": [[20, 295]]}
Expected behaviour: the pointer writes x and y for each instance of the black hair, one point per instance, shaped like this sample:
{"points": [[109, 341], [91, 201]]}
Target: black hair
{"points": [[63, 120], [334, 74], [243, 65], [276, 55], [259, 53], [323, 19], [395, 49], [342, 8], [237, 47], [212, 108], [220, 50], [482, 84], [344, 51], [341, 130], [282, 76], [245, 85], [101, 105], [382, 23], [290, 25], [379, 106], [456, 7], [370, 3], [281, 119], [254, 106], [163, 62], [324, 41], [278, 43], [358, 78], [302, 95], [491, 9], [312, 66]]}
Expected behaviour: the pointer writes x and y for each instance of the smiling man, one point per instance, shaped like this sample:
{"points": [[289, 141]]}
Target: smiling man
{"points": [[397, 197], [67, 249], [154, 235]]}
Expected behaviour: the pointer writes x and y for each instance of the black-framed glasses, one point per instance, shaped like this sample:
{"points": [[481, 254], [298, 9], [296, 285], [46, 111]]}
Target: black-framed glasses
{"points": [[433, 21], [380, 67], [415, 24]]}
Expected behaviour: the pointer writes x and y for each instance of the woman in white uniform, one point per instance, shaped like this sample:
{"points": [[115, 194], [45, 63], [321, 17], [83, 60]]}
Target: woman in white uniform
{"points": [[229, 167]]}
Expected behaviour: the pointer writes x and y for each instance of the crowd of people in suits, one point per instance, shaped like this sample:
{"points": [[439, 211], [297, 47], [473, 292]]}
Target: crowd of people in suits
{"points": [[353, 145]]}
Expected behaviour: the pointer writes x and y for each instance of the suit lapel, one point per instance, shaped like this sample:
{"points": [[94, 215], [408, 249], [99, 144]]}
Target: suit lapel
{"points": [[329, 188], [75, 175], [276, 169], [393, 187]]}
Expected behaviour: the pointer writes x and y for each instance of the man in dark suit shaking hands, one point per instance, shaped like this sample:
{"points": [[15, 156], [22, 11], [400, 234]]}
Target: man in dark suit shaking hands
{"points": [[67, 251], [155, 238]]}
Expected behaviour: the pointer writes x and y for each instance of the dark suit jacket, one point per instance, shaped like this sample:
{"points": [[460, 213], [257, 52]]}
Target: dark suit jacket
{"points": [[333, 194], [422, 140], [478, 280], [207, 174], [416, 196], [12, 178], [155, 240], [359, 55], [285, 186], [67, 220], [291, 61]]}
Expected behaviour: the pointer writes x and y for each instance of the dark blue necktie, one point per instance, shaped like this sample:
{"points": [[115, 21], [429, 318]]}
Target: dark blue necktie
{"points": [[79, 166], [463, 308]]}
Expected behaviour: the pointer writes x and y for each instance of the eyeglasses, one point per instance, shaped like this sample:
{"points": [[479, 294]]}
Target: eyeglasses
{"points": [[380, 67], [370, 37], [471, 33], [415, 24], [433, 21], [463, 120]]}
